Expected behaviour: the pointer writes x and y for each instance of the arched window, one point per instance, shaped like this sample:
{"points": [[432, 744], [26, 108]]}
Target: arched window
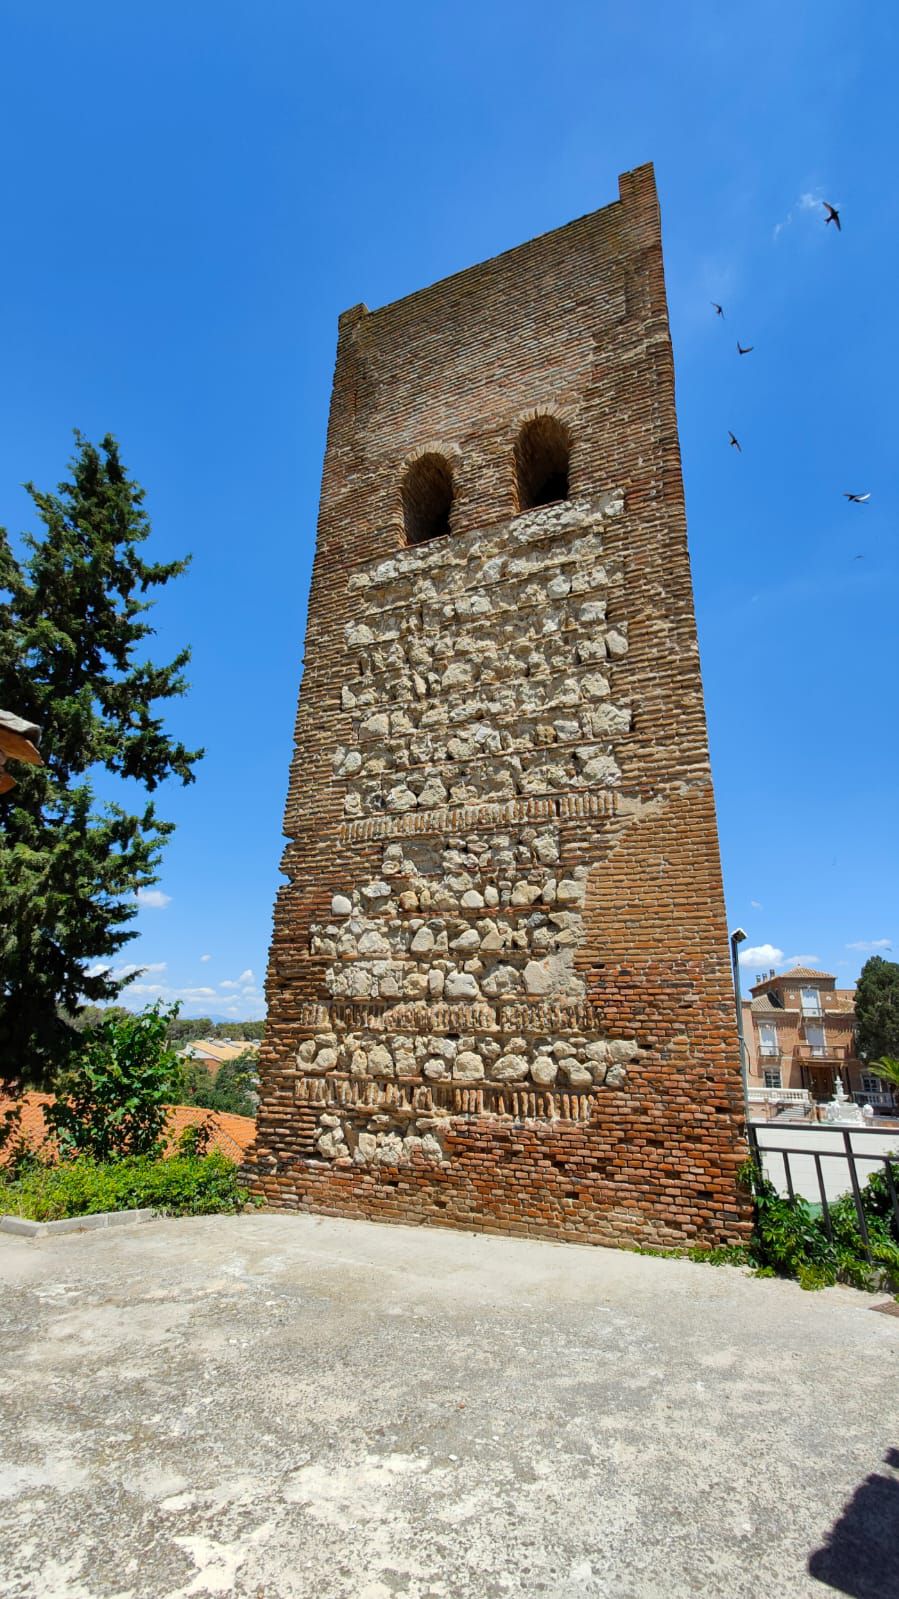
{"points": [[541, 462], [427, 499]]}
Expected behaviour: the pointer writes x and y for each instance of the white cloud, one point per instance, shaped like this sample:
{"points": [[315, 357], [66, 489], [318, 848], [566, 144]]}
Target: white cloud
{"points": [[761, 955], [206, 957], [800, 960], [246, 982], [99, 969], [756, 904], [806, 204], [134, 969], [154, 898], [145, 988], [870, 946]]}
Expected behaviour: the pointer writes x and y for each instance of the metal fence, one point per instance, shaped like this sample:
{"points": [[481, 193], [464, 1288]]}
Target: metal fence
{"points": [[889, 1162]]}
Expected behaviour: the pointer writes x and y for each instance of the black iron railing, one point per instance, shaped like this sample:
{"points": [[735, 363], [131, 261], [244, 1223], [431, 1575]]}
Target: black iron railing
{"points": [[889, 1162]]}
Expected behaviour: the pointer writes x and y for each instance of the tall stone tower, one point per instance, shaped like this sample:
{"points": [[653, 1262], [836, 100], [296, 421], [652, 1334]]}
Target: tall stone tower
{"points": [[499, 993]]}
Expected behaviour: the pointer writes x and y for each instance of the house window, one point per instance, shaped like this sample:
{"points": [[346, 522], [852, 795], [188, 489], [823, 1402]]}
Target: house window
{"points": [[810, 1001], [768, 1041], [541, 462], [872, 1084], [427, 495], [772, 1077], [814, 1037]]}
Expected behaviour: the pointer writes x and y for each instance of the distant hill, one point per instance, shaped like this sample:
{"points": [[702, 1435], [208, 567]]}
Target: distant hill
{"points": [[188, 1028]]}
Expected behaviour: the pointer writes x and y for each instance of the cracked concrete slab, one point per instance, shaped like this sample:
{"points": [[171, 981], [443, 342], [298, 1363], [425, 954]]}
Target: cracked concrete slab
{"points": [[274, 1406]]}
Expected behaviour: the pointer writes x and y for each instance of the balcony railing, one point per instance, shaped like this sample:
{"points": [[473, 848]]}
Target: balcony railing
{"points": [[822, 1054], [781, 1096], [885, 1101], [769, 1051]]}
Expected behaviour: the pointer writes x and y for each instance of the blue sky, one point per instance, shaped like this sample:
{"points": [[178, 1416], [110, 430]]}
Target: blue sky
{"points": [[194, 192]]}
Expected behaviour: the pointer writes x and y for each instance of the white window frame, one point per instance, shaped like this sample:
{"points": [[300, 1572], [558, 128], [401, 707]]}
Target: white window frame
{"points": [[810, 1006], [772, 1077], [768, 1044], [817, 1047]]}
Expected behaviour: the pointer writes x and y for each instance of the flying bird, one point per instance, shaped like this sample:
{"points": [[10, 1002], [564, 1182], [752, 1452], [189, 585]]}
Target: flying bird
{"points": [[744, 349], [833, 215], [857, 499], [735, 442], [719, 309]]}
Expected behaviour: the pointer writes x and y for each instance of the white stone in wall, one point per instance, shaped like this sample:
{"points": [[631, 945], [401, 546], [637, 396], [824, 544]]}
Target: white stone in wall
{"points": [[544, 1070], [510, 1068], [468, 1067], [460, 985]]}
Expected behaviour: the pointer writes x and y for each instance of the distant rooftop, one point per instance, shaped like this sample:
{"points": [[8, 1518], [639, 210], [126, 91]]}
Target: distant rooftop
{"points": [[217, 1049], [802, 974]]}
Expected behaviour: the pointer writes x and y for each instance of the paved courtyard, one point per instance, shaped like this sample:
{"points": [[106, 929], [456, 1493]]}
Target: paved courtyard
{"points": [[277, 1405]]}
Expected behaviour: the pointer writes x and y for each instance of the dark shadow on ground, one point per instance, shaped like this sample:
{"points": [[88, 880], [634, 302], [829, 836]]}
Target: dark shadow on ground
{"points": [[861, 1554]]}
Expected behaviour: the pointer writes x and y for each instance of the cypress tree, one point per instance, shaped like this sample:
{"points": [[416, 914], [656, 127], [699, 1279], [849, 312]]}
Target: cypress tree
{"points": [[73, 626]]}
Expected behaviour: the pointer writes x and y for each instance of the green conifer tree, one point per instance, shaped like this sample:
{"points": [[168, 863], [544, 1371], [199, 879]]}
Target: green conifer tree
{"points": [[877, 1009], [73, 660]]}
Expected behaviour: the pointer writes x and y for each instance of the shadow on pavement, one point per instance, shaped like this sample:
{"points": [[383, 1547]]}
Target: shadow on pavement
{"points": [[861, 1554]]}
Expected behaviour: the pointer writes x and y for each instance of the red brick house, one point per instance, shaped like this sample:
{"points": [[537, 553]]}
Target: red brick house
{"points": [[800, 1034]]}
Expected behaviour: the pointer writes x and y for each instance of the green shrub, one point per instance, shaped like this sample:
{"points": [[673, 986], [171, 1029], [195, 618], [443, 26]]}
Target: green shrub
{"points": [[185, 1185], [232, 1089], [114, 1101], [791, 1240]]}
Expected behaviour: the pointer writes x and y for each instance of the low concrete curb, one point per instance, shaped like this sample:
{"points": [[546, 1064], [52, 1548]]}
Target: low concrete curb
{"points": [[72, 1224]]}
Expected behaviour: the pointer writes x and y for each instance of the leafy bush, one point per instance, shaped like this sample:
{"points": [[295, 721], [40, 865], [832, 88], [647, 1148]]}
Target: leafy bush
{"points": [[196, 1137], [790, 1240], [113, 1102], [185, 1185], [232, 1089]]}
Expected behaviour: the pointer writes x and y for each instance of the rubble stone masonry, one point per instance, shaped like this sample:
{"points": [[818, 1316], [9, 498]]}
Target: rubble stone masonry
{"points": [[499, 994]]}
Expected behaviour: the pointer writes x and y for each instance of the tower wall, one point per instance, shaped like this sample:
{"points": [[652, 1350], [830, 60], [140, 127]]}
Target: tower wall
{"points": [[499, 993]]}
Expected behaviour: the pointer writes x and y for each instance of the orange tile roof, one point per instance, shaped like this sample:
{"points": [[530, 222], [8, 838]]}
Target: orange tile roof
{"points": [[233, 1135], [800, 971], [32, 1128]]}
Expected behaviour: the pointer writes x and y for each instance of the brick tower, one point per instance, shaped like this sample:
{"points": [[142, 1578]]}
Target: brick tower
{"points": [[499, 994]]}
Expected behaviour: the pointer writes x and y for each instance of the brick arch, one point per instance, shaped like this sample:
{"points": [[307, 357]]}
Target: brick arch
{"points": [[427, 495], [542, 460]]}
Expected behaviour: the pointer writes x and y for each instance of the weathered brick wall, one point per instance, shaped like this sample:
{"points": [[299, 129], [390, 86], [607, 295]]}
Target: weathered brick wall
{"points": [[498, 988]]}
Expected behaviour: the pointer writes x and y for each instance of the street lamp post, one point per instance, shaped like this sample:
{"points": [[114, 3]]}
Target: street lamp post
{"points": [[737, 937]]}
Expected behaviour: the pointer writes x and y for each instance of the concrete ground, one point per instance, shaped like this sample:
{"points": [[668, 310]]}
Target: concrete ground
{"points": [[276, 1405]]}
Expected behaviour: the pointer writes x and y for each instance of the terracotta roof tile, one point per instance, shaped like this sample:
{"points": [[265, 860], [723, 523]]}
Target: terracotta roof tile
{"points": [[233, 1135], [764, 1003], [799, 971]]}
